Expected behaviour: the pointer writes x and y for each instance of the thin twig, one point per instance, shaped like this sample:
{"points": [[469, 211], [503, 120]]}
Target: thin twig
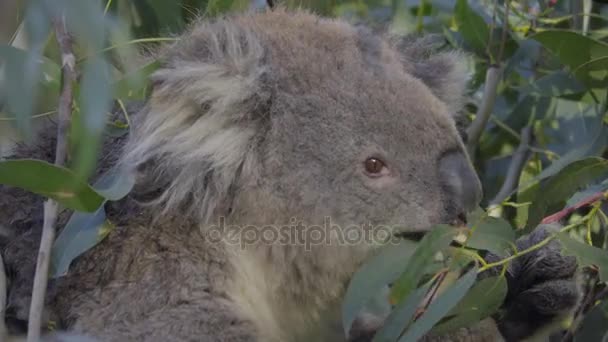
{"points": [[65, 101], [51, 207], [484, 111], [517, 164]]}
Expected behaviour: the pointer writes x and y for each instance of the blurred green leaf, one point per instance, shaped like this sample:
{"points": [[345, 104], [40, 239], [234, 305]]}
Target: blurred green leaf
{"points": [[440, 307], [215, 7], [50, 181], [80, 233], [585, 254], [481, 301], [555, 84], [376, 273], [554, 193], [132, 86], [94, 103], [595, 324], [168, 14], [591, 190], [115, 184], [401, 316], [85, 230], [492, 234], [437, 239], [594, 72], [471, 26], [583, 55]]}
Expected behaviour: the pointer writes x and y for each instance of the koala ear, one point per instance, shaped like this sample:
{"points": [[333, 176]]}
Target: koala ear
{"points": [[194, 137], [445, 73]]}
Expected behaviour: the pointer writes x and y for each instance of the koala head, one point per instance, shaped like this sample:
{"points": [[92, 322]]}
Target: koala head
{"points": [[266, 117]]}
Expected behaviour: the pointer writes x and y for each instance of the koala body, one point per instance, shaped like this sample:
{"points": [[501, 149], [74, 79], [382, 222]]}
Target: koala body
{"points": [[255, 121]]}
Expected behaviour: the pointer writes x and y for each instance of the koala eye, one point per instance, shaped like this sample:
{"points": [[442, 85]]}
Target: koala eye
{"points": [[375, 167]]}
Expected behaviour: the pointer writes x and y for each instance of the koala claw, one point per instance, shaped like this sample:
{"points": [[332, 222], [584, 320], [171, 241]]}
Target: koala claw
{"points": [[542, 286]]}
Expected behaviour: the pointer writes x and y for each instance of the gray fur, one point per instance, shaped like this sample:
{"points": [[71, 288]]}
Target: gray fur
{"points": [[259, 119]]}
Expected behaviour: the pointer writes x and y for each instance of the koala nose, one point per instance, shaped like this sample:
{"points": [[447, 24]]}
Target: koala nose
{"points": [[460, 183]]}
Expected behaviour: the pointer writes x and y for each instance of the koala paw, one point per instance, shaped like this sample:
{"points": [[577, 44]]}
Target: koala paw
{"points": [[542, 287]]}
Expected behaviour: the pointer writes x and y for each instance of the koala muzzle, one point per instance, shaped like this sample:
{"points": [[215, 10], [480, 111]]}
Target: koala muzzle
{"points": [[460, 183]]}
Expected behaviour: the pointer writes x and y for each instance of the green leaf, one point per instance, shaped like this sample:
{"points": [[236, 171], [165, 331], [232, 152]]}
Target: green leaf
{"points": [[440, 307], [591, 190], [50, 181], [585, 254], [87, 128], [167, 13], [27, 72], [85, 230], [483, 300], [594, 72], [133, 85], [115, 184], [471, 26], [375, 274], [574, 50], [80, 233], [595, 146], [595, 324], [557, 83], [554, 192], [215, 7], [401, 316], [437, 239], [492, 234]]}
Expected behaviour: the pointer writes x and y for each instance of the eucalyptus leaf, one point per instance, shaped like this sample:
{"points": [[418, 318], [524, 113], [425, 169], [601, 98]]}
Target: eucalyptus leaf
{"points": [[471, 26], [492, 234], [440, 307], [585, 254], [51, 181], [437, 239], [557, 83], [80, 233], [401, 316], [482, 300], [591, 190], [95, 101], [572, 48], [115, 184], [373, 276], [554, 192], [594, 326]]}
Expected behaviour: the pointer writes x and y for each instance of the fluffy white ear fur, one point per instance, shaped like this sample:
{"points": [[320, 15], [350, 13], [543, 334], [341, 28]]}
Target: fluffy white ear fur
{"points": [[195, 133]]}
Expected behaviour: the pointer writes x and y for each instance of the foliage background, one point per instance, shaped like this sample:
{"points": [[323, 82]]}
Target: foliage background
{"points": [[544, 140]]}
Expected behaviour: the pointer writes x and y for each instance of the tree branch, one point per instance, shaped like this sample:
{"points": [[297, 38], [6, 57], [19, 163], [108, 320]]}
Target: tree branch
{"points": [[517, 164], [64, 112], [484, 111]]}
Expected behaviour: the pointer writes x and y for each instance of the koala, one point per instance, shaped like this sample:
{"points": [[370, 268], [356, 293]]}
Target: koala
{"points": [[275, 122]]}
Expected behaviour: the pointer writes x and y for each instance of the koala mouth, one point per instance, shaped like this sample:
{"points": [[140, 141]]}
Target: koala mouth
{"points": [[412, 236]]}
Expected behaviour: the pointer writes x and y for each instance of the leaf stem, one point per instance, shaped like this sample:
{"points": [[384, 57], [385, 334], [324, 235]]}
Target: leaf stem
{"points": [[51, 207], [533, 248], [493, 76], [515, 167]]}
